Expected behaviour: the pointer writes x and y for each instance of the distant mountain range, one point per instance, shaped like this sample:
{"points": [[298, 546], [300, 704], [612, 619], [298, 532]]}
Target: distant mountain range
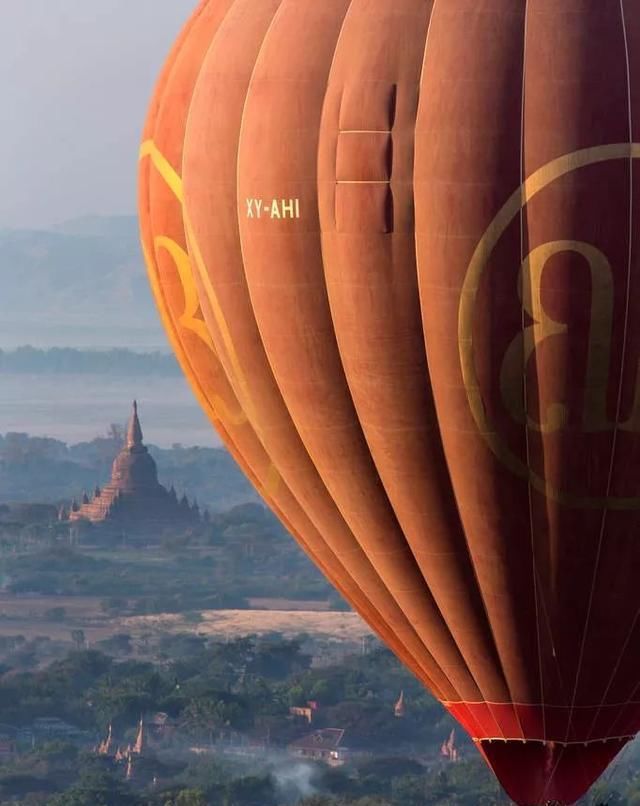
{"points": [[82, 285], [68, 360]]}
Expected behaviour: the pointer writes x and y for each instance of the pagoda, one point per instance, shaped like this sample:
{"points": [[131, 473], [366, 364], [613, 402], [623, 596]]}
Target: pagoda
{"points": [[134, 499]]}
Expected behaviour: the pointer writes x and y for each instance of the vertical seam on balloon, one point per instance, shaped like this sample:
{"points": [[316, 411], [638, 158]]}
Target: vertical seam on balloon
{"points": [[374, 467], [489, 625], [194, 247], [623, 357], [438, 605], [420, 662], [547, 624], [335, 196], [619, 399], [524, 380], [469, 554], [272, 478], [174, 181], [488, 631], [339, 39], [333, 61], [329, 74], [175, 185], [394, 592], [270, 27], [614, 440], [375, 470], [422, 72]]}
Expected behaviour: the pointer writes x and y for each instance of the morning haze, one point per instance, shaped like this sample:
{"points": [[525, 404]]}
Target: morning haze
{"points": [[80, 76]]}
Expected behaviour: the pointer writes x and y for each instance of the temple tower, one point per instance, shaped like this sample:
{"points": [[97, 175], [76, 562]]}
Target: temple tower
{"points": [[134, 497]]}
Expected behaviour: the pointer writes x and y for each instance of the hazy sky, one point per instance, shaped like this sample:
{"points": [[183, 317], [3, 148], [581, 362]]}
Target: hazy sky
{"points": [[76, 79]]}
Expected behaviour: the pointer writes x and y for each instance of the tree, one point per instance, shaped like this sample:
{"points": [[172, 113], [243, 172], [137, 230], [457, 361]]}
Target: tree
{"points": [[203, 714], [211, 715], [334, 780], [119, 644], [411, 790], [188, 797], [181, 645], [78, 637], [251, 791], [390, 767], [98, 789], [279, 660]]}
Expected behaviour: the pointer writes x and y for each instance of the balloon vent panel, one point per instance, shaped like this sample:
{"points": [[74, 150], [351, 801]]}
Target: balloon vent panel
{"points": [[364, 158]]}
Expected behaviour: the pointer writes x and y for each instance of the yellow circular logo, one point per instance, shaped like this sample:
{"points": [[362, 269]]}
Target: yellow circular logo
{"points": [[544, 326]]}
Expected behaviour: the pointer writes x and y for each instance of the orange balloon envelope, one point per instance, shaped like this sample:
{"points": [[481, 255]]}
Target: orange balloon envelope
{"points": [[392, 244]]}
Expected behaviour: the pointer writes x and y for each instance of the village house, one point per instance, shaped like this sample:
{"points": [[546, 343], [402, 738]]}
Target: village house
{"points": [[322, 745]]}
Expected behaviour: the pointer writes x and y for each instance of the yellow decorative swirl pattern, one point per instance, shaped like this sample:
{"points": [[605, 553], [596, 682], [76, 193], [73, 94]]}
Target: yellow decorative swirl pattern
{"points": [[188, 318]]}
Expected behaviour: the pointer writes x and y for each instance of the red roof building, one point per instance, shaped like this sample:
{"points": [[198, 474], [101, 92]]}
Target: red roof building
{"points": [[321, 745]]}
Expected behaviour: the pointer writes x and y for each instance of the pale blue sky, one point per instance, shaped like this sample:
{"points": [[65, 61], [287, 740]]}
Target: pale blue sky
{"points": [[76, 79]]}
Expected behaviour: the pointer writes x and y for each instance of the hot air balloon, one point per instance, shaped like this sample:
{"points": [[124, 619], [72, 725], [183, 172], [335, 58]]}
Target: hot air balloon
{"points": [[392, 244]]}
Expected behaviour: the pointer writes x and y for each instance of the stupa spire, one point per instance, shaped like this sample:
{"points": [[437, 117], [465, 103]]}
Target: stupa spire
{"points": [[134, 499], [134, 431]]}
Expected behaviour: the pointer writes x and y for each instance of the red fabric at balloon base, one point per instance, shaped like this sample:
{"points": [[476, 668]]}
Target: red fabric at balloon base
{"points": [[533, 773]]}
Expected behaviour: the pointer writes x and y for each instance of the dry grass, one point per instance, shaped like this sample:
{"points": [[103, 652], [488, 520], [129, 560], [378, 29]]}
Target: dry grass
{"points": [[288, 604], [346, 627], [28, 616]]}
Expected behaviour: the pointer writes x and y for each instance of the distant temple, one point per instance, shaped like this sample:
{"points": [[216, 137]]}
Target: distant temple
{"points": [[449, 749], [134, 498], [122, 755]]}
